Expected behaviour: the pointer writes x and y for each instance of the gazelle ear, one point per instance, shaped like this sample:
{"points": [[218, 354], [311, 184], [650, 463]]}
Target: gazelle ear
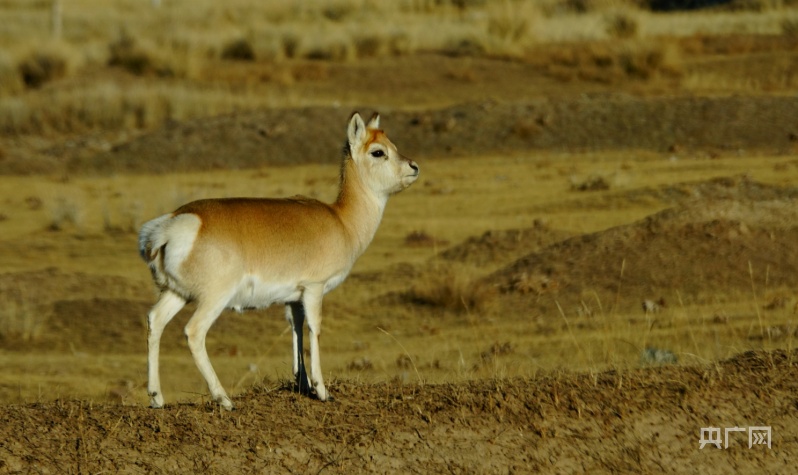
{"points": [[356, 131], [374, 122]]}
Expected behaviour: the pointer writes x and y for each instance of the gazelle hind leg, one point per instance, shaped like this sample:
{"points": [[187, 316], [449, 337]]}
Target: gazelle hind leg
{"points": [[162, 312], [311, 300], [295, 314], [196, 330]]}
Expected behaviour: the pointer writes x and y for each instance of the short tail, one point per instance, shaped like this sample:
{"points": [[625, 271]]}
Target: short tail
{"points": [[152, 240]]}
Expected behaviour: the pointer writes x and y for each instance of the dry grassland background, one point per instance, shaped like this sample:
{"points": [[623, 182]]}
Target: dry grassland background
{"points": [[598, 260]]}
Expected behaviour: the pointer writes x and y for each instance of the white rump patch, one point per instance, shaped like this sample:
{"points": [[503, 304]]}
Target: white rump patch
{"points": [[179, 233]]}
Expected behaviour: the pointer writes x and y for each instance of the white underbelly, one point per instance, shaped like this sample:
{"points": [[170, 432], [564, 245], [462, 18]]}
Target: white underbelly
{"points": [[334, 281], [253, 292]]}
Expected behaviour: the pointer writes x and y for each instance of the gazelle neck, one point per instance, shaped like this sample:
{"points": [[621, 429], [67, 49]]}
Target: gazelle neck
{"points": [[359, 207]]}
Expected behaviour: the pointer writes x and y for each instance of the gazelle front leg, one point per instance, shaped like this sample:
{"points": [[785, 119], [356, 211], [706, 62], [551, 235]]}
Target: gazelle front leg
{"points": [[295, 314], [311, 300]]}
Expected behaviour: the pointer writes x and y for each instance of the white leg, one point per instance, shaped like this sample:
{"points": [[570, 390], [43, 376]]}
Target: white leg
{"points": [[295, 314], [163, 311], [196, 330], [311, 299]]}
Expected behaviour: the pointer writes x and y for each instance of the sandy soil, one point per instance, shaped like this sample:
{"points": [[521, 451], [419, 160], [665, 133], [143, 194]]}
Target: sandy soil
{"points": [[641, 421]]}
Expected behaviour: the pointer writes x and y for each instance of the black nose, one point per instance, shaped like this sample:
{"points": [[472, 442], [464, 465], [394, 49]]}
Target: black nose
{"points": [[414, 166]]}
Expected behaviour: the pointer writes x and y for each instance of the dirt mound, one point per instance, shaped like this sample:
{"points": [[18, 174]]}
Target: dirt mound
{"points": [[611, 421], [279, 137], [52, 310], [119, 326], [52, 284], [502, 247], [702, 250], [739, 187], [97, 325]]}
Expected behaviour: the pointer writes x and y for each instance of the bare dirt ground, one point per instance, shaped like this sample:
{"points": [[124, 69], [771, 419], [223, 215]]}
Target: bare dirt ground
{"points": [[721, 126], [541, 371], [728, 237], [639, 421]]}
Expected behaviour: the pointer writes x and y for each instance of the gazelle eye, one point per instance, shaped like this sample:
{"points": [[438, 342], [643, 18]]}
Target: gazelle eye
{"points": [[377, 154]]}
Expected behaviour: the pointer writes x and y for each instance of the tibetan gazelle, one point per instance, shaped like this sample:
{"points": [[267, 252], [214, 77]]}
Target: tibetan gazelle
{"points": [[252, 252]]}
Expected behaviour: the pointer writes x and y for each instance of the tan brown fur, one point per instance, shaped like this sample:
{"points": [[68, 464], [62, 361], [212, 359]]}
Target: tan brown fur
{"points": [[301, 234]]}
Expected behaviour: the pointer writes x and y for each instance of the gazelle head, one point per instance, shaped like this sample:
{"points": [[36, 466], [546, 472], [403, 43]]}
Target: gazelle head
{"points": [[380, 165]]}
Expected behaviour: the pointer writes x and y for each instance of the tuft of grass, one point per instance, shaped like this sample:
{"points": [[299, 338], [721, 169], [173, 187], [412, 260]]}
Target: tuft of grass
{"points": [[370, 45], [65, 214], [511, 21], [291, 43], [20, 316], [360, 364], [789, 27], [125, 53], [423, 239], [128, 221], [591, 183], [646, 60], [450, 288], [622, 25], [609, 63], [43, 64], [467, 45], [329, 48], [337, 11], [657, 356], [10, 79], [496, 350], [239, 50], [536, 284], [137, 57]]}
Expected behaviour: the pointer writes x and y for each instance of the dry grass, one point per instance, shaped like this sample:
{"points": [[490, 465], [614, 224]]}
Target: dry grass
{"points": [[187, 49], [612, 62], [622, 24], [39, 63], [111, 106], [204, 27], [452, 288], [10, 80], [789, 27], [22, 314]]}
